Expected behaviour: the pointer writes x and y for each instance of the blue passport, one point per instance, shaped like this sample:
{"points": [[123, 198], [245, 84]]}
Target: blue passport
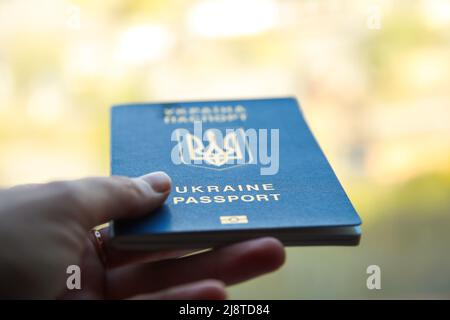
{"points": [[240, 169]]}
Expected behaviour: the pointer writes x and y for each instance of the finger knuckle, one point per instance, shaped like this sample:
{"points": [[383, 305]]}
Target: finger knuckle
{"points": [[130, 192], [68, 195], [66, 192]]}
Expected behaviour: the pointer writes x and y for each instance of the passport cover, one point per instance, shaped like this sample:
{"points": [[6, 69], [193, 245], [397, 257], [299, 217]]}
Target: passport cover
{"points": [[303, 203]]}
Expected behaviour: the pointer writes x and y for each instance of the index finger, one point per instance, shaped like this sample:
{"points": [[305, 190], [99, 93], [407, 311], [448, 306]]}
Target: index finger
{"points": [[94, 201]]}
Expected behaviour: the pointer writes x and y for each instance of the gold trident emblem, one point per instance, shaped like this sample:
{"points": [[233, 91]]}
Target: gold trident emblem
{"points": [[214, 154]]}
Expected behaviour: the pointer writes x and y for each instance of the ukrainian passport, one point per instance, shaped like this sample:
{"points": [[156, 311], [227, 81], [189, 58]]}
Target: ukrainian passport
{"points": [[240, 169]]}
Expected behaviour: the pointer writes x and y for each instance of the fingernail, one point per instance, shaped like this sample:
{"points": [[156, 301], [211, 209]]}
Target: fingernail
{"points": [[159, 181]]}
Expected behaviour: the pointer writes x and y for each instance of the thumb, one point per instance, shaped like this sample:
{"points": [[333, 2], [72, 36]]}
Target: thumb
{"points": [[94, 201]]}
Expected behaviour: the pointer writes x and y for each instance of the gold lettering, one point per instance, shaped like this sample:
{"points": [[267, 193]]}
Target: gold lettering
{"points": [[179, 190], [228, 188], [247, 198], [268, 187], [212, 188], [191, 200], [254, 187], [177, 200], [205, 199], [219, 199], [261, 197], [197, 189], [275, 196]]}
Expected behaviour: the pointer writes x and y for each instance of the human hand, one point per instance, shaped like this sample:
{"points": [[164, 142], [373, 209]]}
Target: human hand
{"points": [[44, 228]]}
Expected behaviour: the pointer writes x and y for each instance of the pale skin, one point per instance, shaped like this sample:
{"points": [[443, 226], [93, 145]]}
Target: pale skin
{"points": [[44, 228]]}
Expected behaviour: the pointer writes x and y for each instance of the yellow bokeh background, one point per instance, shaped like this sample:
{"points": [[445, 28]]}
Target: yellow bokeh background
{"points": [[373, 79]]}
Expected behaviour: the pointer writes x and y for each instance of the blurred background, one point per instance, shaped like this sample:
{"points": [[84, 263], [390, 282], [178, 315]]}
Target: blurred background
{"points": [[373, 78]]}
